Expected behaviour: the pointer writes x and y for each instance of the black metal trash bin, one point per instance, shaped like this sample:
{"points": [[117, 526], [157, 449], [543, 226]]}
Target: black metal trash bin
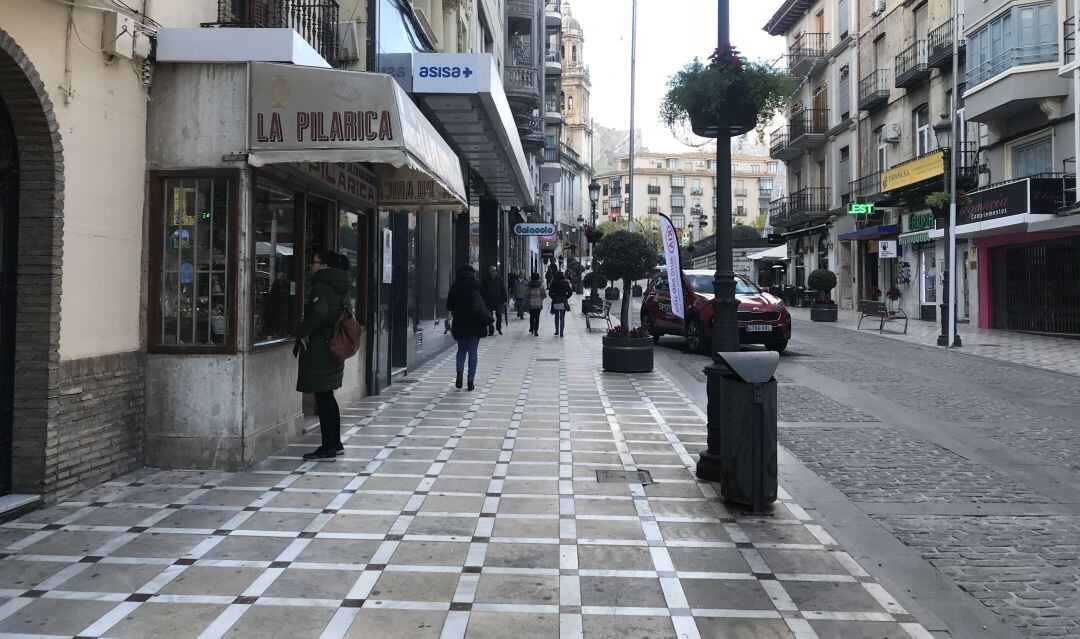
{"points": [[742, 428]]}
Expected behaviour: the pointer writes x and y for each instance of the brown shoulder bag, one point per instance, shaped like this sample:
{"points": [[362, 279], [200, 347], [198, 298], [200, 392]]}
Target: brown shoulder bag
{"points": [[344, 341]]}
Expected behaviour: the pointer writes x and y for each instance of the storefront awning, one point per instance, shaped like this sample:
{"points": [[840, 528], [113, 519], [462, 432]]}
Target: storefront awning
{"points": [[871, 233], [920, 237], [775, 253], [304, 114], [791, 235], [465, 92]]}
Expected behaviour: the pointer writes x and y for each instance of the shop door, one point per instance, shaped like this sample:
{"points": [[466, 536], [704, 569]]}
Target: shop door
{"points": [[381, 277], [9, 206], [870, 269], [1036, 287]]}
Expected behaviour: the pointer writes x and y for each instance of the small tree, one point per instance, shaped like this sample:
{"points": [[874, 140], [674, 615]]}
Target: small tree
{"points": [[822, 280], [627, 257], [594, 280]]}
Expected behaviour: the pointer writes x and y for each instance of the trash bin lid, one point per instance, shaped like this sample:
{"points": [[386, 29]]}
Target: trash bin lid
{"points": [[752, 368]]}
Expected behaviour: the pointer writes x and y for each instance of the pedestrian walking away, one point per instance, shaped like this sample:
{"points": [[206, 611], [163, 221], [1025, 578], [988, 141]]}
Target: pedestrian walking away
{"points": [[560, 292], [318, 372], [520, 284], [472, 320], [534, 301], [494, 292]]}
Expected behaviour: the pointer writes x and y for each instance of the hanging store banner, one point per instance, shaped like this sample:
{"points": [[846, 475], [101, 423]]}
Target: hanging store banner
{"points": [[670, 240], [1029, 195], [525, 229], [549, 241], [914, 171]]}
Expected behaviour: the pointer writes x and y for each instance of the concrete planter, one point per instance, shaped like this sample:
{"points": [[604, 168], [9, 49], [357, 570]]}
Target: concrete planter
{"points": [[628, 354], [823, 313]]}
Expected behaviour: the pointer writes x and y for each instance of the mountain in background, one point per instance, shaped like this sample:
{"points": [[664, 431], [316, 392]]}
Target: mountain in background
{"points": [[611, 144]]}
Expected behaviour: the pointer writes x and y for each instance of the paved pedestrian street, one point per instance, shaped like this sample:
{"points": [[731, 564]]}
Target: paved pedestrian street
{"points": [[452, 514]]}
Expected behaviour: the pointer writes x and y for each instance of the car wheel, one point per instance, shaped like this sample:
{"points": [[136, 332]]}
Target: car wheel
{"points": [[648, 325], [777, 346], [695, 336]]}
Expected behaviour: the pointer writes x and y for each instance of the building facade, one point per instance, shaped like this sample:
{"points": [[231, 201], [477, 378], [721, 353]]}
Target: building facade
{"points": [[683, 187], [149, 308], [863, 160]]}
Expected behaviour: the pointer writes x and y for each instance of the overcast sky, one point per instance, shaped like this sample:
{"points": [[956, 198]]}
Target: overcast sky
{"points": [[670, 34]]}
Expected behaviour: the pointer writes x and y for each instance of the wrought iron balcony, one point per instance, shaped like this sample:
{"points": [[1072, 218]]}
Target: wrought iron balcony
{"points": [[521, 9], [739, 191], [315, 20], [780, 144], [874, 90], [808, 128], [807, 52], [522, 88], [654, 209], [911, 66], [866, 188], [804, 205], [654, 189], [696, 190], [941, 44]]}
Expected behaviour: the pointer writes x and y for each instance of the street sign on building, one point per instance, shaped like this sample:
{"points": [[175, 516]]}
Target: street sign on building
{"points": [[886, 248]]}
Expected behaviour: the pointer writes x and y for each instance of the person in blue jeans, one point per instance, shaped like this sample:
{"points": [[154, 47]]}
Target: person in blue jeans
{"points": [[559, 291], [472, 320]]}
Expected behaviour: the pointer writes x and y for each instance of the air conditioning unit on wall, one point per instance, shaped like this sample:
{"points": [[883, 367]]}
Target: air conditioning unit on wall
{"points": [[879, 8]]}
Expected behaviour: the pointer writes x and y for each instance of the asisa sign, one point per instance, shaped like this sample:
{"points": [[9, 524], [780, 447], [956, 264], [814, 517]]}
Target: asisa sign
{"points": [[525, 229], [444, 72]]}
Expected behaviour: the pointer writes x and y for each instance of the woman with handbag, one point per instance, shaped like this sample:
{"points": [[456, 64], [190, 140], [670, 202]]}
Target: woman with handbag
{"points": [[472, 320], [319, 372], [560, 291], [534, 302]]}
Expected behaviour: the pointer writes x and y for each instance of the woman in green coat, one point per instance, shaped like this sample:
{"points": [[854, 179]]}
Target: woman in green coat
{"points": [[319, 372]]}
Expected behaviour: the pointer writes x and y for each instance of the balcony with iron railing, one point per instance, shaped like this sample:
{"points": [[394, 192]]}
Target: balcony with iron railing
{"points": [[696, 190], [522, 85], [1012, 57], [315, 20], [941, 44], [809, 128], [874, 90], [1069, 29], [866, 188], [739, 191], [911, 66], [553, 13], [654, 209], [654, 189], [552, 62], [807, 52], [780, 144], [804, 205], [520, 10]]}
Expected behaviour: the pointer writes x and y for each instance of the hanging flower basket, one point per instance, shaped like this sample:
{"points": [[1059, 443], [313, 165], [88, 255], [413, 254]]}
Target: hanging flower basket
{"points": [[747, 94]]}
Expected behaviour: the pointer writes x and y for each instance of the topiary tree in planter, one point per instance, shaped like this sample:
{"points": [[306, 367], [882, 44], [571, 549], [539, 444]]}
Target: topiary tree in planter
{"points": [[593, 281], [824, 308], [624, 256]]}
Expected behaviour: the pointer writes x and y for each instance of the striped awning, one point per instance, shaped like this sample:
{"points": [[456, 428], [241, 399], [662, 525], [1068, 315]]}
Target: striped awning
{"points": [[917, 237]]}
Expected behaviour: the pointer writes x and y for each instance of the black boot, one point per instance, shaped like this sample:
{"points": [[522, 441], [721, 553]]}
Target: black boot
{"points": [[471, 386], [457, 382]]}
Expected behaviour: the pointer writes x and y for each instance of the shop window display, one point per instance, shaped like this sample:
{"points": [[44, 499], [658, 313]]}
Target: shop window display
{"points": [[193, 277]]}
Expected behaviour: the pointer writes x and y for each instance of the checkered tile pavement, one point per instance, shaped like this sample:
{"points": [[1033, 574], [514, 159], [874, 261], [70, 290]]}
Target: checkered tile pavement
{"points": [[452, 514]]}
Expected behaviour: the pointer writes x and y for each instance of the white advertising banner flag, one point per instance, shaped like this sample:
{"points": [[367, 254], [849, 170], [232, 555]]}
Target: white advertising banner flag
{"points": [[674, 270]]}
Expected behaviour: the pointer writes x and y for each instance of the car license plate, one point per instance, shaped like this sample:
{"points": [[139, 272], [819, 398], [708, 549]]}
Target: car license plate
{"points": [[759, 328]]}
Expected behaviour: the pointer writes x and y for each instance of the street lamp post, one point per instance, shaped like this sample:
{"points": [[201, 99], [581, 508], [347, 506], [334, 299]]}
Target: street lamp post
{"points": [[725, 306], [594, 197], [949, 336]]}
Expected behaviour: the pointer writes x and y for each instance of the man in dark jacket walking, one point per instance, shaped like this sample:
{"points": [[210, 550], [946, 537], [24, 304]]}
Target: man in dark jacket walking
{"points": [[494, 291]]}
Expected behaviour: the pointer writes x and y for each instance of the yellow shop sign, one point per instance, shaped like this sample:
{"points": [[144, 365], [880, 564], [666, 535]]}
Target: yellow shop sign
{"points": [[909, 173]]}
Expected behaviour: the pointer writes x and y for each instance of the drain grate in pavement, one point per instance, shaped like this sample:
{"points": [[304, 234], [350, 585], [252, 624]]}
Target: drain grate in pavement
{"points": [[642, 477], [547, 359]]}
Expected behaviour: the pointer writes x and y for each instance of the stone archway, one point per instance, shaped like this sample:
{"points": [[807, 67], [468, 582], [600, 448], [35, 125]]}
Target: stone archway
{"points": [[38, 263]]}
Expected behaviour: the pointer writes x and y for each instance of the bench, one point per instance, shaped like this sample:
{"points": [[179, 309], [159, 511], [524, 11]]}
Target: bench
{"points": [[870, 308], [603, 313]]}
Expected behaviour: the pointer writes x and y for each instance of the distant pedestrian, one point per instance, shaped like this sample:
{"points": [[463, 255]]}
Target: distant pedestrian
{"points": [[519, 294], [534, 301], [472, 320], [494, 292], [318, 372], [560, 292]]}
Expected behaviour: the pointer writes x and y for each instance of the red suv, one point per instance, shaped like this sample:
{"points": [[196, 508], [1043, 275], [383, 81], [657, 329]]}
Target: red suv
{"points": [[762, 316]]}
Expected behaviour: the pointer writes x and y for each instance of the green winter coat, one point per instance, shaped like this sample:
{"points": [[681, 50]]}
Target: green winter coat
{"points": [[319, 372]]}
